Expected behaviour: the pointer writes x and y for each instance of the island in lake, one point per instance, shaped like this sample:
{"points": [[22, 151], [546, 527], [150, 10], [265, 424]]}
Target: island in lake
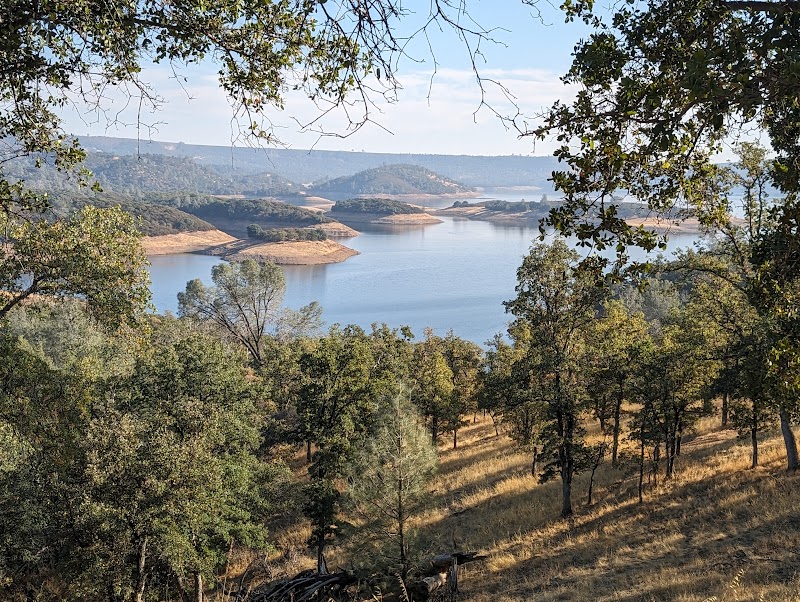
{"points": [[184, 205]]}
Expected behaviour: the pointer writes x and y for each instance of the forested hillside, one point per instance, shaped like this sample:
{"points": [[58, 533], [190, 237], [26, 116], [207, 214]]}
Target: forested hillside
{"points": [[391, 179], [152, 217], [239, 443], [374, 207], [629, 437], [146, 174], [307, 166]]}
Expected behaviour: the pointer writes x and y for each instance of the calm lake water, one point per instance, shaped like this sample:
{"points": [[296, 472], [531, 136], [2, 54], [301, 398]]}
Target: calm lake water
{"points": [[454, 275]]}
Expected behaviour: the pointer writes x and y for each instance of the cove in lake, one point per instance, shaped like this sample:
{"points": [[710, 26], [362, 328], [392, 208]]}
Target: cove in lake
{"points": [[454, 275]]}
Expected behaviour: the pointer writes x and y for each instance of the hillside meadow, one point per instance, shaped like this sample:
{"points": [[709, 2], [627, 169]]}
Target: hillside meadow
{"points": [[716, 531]]}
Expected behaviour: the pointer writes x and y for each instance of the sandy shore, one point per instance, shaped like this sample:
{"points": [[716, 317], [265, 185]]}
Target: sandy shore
{"points": [[402, 219], [337, 230], [305, 252], [185, 242]]}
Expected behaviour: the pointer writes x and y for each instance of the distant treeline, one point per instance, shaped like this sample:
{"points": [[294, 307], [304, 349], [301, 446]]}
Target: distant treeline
{"points": [[255, 210], [313, 166], [374, 206], [141, 175], [152, 218], [509, 206], [392, 179], [285, 234]]}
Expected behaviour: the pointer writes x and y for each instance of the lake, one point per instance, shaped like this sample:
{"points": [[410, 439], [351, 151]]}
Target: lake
{"points": [[454, 275]]}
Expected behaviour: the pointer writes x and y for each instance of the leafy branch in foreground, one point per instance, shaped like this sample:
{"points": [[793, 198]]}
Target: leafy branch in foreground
{"points": [[95, 254], [663, 85]]}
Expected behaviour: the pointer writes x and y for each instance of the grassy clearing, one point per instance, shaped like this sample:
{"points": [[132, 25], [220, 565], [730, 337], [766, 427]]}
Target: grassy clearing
{"points": [[718, 529]]}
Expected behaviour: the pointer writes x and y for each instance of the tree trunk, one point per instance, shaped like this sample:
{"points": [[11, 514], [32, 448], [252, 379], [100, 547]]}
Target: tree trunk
{"points": [[401, 523], [198, 587], [656, 463], [789, 441], [597, 461], [668, 453], [566, 426], [641, 467], [534, 462], [455, 438], [435, 429], [308, 451], [566, 493], [181, 587], [615, 429], [141, 575], [725, 408], [754, 443]]}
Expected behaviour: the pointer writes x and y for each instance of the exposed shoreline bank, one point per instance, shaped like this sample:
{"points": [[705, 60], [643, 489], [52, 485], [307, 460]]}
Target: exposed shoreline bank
{"points": [[218, 243], [661, 226]]}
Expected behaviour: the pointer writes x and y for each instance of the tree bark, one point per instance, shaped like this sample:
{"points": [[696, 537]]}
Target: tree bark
{"points": [[308, 451], [641, 467], [141, 575], [181, 587], [615, 431], [754, 443], [455, 438], [198, 587], [322, 566], [566, 426], [725, 408], [789, 441]]}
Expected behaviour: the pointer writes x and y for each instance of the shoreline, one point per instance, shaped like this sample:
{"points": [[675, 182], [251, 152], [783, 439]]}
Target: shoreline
{"points": [[399, 219], [225, 246], [659, 225]]}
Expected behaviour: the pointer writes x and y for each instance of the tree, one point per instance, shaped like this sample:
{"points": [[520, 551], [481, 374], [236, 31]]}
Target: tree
{"points": [[662, 85], [95, 254], [556, 301], [116, 483], [172, 472], [388, 477], [464, 360], [245, 302], [614, 344], [432, 387], [336, 409], [754, 263]]}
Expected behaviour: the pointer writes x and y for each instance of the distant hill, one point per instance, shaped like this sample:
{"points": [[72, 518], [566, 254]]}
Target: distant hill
{"points": [[153, 173], [234, 216], [392, 179], [374, 207], [152, 219], [306, 167]]}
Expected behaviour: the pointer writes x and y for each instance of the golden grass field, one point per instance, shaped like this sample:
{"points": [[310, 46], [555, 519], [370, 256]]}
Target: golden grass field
{"points": [[716, 531]]}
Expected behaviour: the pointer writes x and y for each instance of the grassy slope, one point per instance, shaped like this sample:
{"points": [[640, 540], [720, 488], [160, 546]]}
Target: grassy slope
{"points": [[717, 529], [688, 541]]}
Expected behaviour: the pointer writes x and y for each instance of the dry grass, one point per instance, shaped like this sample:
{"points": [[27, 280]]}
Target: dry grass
{"points": [[687, 542], [717, 530]]}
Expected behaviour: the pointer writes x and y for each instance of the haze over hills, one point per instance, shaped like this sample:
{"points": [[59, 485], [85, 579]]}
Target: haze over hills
{"points": [[307, 166]]}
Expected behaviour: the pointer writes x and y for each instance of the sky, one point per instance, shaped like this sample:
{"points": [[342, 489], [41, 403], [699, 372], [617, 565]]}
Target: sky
{"points": [[438, 110]]}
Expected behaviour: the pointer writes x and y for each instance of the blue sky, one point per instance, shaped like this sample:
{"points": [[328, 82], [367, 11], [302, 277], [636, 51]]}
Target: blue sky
{"points": [[434, 114]]}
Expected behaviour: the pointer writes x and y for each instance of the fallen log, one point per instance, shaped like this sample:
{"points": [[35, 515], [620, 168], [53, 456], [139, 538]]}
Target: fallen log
{"points": [[444, 569], [304, 586]]}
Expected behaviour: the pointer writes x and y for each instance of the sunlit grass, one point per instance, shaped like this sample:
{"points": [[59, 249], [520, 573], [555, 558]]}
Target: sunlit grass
{"points": [[687, 542]]}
